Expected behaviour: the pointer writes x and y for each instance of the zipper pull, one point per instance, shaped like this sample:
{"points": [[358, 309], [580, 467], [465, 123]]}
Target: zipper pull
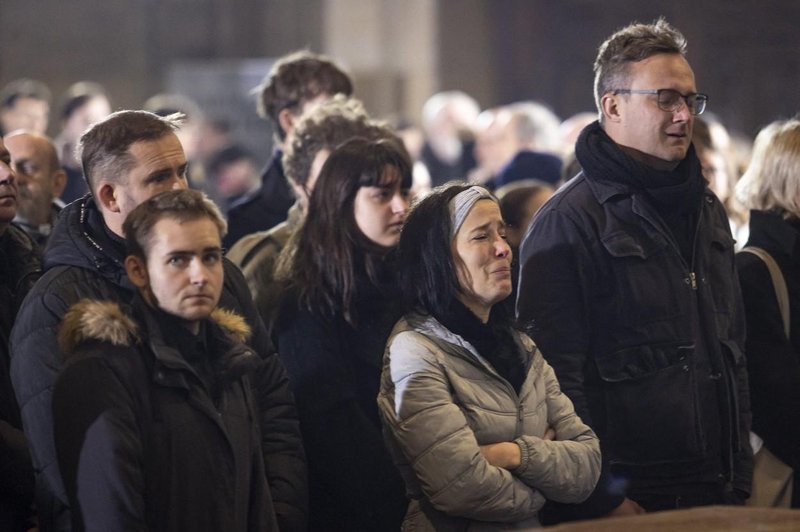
{"points": [[693, 280]]}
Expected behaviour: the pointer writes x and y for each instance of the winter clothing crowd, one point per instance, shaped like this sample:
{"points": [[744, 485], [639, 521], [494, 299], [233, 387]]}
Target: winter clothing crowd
{"points": [[497, 321]]}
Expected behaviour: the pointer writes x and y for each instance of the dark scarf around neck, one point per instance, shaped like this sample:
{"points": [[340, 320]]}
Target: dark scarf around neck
{"points": [[493, 340], [673, 193]]}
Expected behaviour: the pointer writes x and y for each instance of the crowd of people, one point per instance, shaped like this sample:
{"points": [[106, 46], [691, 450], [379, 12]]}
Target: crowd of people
{"points": [[498, 320]]}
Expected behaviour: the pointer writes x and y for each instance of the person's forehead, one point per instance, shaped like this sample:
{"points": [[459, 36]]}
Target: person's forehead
{"points": [[195, 234], [22, 145], [668, 67], [151, 150], [30, 103], [483, 211]]}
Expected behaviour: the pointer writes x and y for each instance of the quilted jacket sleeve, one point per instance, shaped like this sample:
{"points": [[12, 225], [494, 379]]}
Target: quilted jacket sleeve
{"points": [[566, 469], [99, 447], [435, 438]]}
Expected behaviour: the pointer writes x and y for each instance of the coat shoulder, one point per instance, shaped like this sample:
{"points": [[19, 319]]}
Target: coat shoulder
{"points": [[102, 321]]}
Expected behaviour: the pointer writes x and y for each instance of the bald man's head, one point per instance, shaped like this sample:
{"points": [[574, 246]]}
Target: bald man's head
{"points": [[39, 175]]}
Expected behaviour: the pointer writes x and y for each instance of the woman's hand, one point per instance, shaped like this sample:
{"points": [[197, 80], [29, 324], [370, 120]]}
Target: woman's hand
{"points": [[505, 454]]}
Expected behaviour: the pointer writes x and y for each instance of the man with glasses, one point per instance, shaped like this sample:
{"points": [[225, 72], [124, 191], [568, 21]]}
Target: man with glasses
{"points": [[628, 286]]}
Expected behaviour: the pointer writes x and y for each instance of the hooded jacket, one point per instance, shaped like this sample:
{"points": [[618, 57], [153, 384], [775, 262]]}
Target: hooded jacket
{"points": [[84, 260], [143, 442], [440, 399]]}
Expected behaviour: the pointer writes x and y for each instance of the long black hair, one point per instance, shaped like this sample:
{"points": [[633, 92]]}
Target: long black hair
{"points": [[319, 261], [427, 271]]}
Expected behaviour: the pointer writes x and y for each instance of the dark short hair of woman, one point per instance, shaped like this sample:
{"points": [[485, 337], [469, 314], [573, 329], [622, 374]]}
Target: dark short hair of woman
{"points": [[426, 268]]}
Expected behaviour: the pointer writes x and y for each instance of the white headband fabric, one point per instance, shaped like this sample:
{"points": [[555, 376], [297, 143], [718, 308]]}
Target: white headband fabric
{"points": [[463, 202]]}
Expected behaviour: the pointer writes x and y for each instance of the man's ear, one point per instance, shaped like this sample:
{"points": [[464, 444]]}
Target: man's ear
{"points": [[107, 197], [609, 104], [286, 120], [59, 182], [136, 268]]}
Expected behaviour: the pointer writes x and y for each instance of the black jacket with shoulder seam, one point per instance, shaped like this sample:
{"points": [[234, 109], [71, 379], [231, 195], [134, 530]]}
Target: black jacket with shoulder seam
{"points": [[143, 441], [83, 260], [649, 348]]}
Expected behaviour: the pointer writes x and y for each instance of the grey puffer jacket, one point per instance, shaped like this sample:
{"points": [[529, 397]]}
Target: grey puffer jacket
{"points": [[440, 400]]}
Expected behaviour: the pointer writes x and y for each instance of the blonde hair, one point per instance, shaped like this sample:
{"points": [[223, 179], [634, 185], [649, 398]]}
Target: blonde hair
{"points": [[772, 181]]}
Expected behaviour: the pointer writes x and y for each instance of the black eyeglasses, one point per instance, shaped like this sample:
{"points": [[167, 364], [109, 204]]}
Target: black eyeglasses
{"points": [[670, 100]]}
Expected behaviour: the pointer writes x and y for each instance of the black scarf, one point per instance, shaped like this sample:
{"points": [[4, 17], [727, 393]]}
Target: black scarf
{"points": [[675, 194], [492, 340]]}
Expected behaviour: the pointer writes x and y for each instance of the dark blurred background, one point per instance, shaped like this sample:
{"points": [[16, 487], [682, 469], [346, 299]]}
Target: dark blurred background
{"points": [[745, 53]]}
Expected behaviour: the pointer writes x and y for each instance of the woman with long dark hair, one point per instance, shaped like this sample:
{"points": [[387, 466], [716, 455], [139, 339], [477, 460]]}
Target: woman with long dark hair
{"points": [[339, 305], [473, 414]]}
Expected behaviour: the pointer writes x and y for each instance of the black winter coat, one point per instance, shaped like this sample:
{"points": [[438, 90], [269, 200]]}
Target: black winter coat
{"points": [[335, 371], [649, 347], [83, 261], [20, 266], [144, 443], [773, 361], [264, 208]]}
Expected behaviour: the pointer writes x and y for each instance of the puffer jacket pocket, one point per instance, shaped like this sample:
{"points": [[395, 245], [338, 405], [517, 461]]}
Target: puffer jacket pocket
{"points": [[651, 405]]}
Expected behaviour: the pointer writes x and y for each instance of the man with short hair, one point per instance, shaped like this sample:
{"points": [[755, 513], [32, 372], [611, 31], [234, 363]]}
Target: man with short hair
{"points": [[170, 424], [296, 83], [534, 129], [128, 158], [41, 181], [628, 286], [316, 134], [24, 104], [19, 268]]}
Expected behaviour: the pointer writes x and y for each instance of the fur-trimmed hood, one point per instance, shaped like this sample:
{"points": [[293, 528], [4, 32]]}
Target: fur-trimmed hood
{"points": [[105, 321]]}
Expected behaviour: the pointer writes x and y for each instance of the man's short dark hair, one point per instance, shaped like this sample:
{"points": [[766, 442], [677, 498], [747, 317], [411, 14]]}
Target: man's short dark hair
{"points": [[326, 127], [183, 205], [104, 148], [23, 88], [632, 44], [296, 79]]}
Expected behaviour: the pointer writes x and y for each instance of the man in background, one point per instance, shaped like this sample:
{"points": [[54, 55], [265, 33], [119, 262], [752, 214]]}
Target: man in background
{"points": [[295, 84], [40, 179], [24, 104]]}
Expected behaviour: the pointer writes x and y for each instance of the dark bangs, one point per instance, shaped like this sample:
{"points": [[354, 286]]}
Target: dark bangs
{"points": [[383, 153]]}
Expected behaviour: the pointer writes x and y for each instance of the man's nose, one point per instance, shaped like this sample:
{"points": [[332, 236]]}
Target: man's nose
{"points": [[682, 113], [198, 272], [179, 182], [6, 175]]}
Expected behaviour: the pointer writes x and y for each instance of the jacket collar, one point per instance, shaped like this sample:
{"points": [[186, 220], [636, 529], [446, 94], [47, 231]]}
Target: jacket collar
{"points": [[105, 321], [81, 239], [432, 328]]}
